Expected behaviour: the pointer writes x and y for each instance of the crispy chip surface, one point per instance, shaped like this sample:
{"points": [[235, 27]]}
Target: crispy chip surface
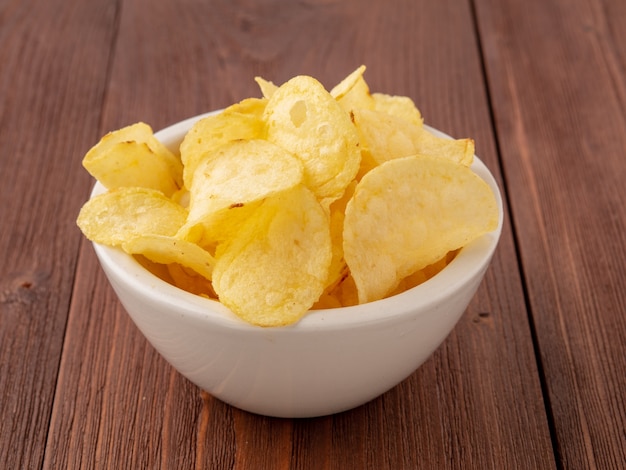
{"points": [[236, 176], [267, 88], [119, 215], [407, 214], [275, 268], [456, 150], [132, 156], [400, 106], [353, 92], [166, 250], [241, 121], [305, 119]]}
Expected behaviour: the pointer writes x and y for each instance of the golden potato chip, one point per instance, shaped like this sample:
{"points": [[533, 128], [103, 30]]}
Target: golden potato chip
{"points": [[267, 87], [345, 292], [347, 84], [383, 137], [408, 213], [190, 281], [456, 150], [241, 121], [166, 250], [337, 214], [118, 215], [424, 274], [399, 106], [353, 92], [275, 268], [303, 118], [237, 175], [132, 156]]}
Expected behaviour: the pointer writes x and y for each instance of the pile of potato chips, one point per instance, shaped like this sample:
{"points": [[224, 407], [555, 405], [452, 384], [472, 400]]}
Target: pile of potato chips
{"points": [[299, 200]]}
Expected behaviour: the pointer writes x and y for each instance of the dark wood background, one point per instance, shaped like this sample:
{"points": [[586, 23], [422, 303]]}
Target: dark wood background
{"points": [[533, 377]]}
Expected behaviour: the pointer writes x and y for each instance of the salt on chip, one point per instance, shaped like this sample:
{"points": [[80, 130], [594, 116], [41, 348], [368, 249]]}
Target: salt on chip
{"points": [[133, 156], [408, 213], [305, 119], [241, 121], [116, 216], [234, 178], [275, 268]]}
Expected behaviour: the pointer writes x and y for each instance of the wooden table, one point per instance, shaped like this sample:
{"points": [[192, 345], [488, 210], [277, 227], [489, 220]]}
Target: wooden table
{"points": [[532, 377]]}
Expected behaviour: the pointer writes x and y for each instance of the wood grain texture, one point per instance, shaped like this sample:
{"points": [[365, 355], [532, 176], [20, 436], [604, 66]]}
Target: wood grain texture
{"points": [[557, 75], [532, 377], [118, 403], [51, 93]]}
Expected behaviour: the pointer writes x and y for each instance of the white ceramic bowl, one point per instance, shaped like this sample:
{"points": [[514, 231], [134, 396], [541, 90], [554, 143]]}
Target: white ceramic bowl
{"points": [[332, 360]]}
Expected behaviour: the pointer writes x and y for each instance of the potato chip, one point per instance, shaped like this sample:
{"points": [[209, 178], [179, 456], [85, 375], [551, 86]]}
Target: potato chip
{"points": [[303, 118], [337, 214], [402, 107], [408, 213], [190, 281], [241, 121], [345, 292], [233, 178], [132, 156], [383, 137], [353, 92], [347, 84], [267, 87], [119, 215], [166, 250], [275, 268], [424, 274], [456, 150]]}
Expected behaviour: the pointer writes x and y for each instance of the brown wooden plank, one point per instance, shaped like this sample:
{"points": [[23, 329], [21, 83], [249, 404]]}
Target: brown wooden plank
{"points": [[557, 74], [462, 409], [51, 91]]}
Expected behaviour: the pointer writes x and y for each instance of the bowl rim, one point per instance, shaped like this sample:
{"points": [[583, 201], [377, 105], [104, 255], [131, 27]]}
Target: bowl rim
{"points": [[471, 261]]}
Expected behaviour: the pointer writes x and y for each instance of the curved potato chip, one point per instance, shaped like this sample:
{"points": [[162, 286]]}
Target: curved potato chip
{"points": [[407, 214], [336, 216], [456, 150], [383, 137], [166, 250], [273, 279], [236, 176], [132, 156], [399, 106], [118, 215], [190, 281], [353, 92], [241, 121], [267, 87], [347, 84], [386, 137], [303, 118]]}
